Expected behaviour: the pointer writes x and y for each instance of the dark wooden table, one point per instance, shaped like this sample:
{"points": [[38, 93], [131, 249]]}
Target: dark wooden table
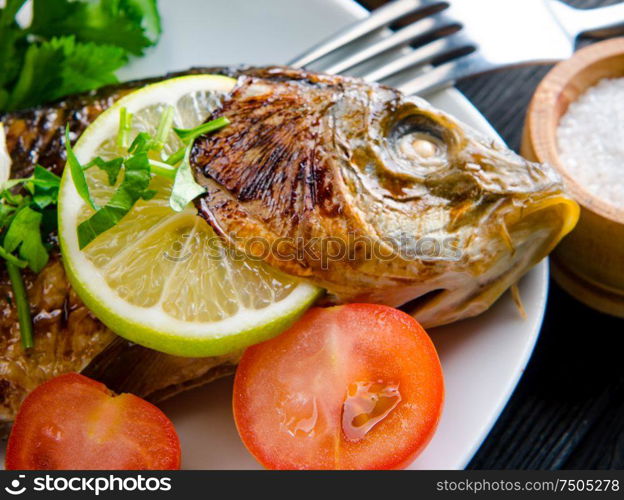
{"points": [[568, 409]]}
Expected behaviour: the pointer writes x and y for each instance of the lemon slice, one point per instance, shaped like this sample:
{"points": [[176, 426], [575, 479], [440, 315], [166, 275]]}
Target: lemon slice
{"points": [[160, 278]]}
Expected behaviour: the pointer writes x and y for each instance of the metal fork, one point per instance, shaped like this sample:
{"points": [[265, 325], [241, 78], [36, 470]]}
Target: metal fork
{"points": [[468, 37]]}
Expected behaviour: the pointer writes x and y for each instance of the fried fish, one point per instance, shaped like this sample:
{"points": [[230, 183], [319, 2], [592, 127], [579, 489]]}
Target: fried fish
{"points": [[391, 200]]}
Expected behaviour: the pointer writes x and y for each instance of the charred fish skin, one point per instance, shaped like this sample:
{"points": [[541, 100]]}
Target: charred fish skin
{"points": [[362, 177]]}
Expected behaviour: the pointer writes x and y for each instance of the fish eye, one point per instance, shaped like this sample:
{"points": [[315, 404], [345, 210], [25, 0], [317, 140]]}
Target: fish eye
{"points": [[418, 139], [417, 146]]}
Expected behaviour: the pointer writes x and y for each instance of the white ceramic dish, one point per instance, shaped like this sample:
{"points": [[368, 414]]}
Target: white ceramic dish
{"points": [[482, 358]]}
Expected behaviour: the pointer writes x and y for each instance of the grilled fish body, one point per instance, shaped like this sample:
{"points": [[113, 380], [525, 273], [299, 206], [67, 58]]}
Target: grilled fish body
{"points": [[369, 194]]}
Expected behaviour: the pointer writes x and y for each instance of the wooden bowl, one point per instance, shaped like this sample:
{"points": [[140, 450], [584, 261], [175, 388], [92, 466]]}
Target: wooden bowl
{"points": [[589, 262]]}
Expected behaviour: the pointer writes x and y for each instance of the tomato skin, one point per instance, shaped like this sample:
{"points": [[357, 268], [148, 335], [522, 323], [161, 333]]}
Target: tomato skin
{"points": [[75, 423], [304, 375]]}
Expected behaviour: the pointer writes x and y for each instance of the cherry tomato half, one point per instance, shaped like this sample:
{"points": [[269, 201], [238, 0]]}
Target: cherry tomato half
{"points": [[358, 386], [75, 423]]}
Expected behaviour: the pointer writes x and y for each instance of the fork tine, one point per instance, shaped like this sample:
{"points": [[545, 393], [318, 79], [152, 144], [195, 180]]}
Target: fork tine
{"points": [[379, 18], [397, 39], [421, 55], [446, 74]]}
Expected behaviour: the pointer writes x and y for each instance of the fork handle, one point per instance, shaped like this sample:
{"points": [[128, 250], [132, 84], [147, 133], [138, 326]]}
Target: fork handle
{"points": [[599, 22]]}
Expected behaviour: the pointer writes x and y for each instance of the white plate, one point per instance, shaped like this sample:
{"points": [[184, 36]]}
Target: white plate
{"points": [[482, 358]]}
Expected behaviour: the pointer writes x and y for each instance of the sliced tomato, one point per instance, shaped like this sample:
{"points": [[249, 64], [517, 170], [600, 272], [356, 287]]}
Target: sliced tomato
{"points": [[75, 423], [349, 387]]}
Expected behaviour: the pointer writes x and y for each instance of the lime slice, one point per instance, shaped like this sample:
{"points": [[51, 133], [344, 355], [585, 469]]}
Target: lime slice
{"points": [[160, 278]]}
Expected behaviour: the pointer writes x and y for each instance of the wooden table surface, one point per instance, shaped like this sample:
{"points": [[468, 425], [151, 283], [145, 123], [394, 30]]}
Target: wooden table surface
{"points": [[568, 409]]}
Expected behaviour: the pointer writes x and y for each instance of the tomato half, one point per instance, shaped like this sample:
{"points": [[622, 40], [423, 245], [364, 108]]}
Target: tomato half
{"points": [[358, 386], [75, 423]]}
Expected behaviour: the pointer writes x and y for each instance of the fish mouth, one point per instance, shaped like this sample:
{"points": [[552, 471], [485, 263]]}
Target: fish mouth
{"points": [[556, 214], [569, 212], [527, 235]]}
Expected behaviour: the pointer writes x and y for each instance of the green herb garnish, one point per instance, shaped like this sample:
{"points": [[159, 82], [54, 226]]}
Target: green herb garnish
{"points": [[77, 172], [188, 136], [132, 25], [185, 189], [21, 218], [22, 229], [111, 167], [133, 187], [70, 46], [125, 125], [22, 304], [164, 127], [138, 167], [24, 236]]}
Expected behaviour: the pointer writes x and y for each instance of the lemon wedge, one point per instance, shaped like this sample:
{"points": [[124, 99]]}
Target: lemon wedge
{"points": [[160, 278]]}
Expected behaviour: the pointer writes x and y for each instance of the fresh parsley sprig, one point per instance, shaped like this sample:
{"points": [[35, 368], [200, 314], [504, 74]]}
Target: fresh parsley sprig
{"points": [[138, 166], [70, 46], [185, 189], [133, 187], [23, 219]]}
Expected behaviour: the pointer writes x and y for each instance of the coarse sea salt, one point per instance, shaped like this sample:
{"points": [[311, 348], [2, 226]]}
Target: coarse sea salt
{"points": [[591, 140]]}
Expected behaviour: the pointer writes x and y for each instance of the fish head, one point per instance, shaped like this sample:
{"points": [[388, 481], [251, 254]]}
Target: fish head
{"points": [[469, 215], [392, 200]]}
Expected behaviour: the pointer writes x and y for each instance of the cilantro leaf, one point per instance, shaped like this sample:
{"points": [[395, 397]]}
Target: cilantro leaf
{"points": [[20, 295], [188, 135], [43, 185], [185, 189], [130, 24], [63, 66], [46, 187], [133, 187], [10, 205], [87, 66], [125, 126], [6, 211], [145, 14], [24, 234], [111, 167], [142, 143], [71, 46], [12, 46], [77, 172], [29, 88]]}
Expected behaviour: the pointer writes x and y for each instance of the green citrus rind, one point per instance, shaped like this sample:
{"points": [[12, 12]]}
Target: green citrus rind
{"points": [[146, 326]]}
